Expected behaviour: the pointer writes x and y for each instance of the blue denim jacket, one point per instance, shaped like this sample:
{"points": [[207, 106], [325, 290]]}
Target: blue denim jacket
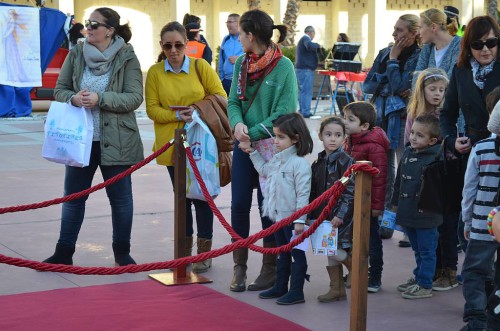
{"points": [[390, 82], [393, 80]]}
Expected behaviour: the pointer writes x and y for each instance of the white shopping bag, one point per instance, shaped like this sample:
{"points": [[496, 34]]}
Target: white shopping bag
{"points": [[324, 239], [68, 135], [204, 149], [303, 246]]}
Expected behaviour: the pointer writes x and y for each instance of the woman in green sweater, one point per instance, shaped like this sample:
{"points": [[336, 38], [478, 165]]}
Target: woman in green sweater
{"points": [[251, 110]]}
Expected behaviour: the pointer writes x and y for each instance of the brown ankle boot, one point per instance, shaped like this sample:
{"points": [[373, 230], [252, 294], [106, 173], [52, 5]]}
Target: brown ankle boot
{"points": [[204, 245], [267, 274], [240, 257], [437, 274], [337, 287], [348, 264], [452, 277], [447, 281]]}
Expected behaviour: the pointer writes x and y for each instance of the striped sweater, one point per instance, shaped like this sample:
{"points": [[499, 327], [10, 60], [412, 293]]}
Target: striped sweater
{"points": [[480, 194]]}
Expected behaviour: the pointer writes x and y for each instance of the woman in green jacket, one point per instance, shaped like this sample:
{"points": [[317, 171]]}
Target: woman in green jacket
{"points": [[104, 75], [251, 111]]}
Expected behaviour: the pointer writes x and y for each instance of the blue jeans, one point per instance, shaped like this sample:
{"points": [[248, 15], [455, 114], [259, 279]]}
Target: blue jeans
{"points": [[226, 84], [447, 254], [305, 79], [119, 195], [244, 178], [494, 316], [376, 252], [283, 237], [476, 271], [424, 243], [204, 215]]}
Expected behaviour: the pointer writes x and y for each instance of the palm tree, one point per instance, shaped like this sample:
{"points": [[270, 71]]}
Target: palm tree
{"points": [[290, 21], [253, 4], [492, 9]]}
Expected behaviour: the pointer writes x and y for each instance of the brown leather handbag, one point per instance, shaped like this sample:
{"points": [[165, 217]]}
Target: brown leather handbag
{"points": [[213, 111]]}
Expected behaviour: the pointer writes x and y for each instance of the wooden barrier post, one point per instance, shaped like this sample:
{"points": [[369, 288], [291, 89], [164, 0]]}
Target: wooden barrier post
{"points": [[360, 250], [179, 202], [180, 276]]}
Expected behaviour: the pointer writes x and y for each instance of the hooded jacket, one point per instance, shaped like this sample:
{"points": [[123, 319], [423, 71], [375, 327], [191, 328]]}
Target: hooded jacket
{"points": [[371, 145], [120, 140], [288, 183]]}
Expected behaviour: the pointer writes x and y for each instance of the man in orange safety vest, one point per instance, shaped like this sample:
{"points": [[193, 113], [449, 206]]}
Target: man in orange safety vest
{"points": [[195, 48]]}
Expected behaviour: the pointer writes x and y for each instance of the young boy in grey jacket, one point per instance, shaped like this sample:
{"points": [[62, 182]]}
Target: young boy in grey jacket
{"points": [[421, 226]]}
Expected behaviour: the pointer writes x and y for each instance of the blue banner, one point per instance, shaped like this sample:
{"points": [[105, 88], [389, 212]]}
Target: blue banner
{"points": [[15, 101]]}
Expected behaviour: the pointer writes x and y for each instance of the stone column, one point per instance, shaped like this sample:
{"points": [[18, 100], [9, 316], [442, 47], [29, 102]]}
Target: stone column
{"points": [[469, 9], [67, 6], [178, 8], [279, 10], [332, 30], [373, 41]]}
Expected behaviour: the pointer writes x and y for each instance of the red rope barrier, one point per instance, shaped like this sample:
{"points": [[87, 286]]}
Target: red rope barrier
{"points": [[40, 266], [90, 190], [333, 193]]}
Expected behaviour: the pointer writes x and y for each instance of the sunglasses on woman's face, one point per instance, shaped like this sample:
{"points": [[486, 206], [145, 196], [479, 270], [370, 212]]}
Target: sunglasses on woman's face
{"points": [[93, 25], [479, 44], [168, 46]]}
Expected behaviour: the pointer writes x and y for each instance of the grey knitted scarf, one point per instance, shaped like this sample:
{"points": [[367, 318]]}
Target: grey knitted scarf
{"points": [[100, 62]]}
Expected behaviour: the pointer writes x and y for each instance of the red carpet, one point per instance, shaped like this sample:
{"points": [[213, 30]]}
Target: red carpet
{"points": [[144, 305]]}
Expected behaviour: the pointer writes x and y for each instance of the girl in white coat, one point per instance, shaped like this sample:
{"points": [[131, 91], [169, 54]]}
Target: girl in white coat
{"points": [[287, 190]]}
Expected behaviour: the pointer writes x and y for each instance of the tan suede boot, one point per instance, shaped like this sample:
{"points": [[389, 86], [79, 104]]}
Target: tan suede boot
{"points": [[204, 245], [447, 281], [438, 274], [240, 257], [267, 274], [348, 264], [452, 277], [337, 287]]}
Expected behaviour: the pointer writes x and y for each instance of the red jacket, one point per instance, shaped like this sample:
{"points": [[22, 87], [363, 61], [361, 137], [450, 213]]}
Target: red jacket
{"points": [[372, 146]]}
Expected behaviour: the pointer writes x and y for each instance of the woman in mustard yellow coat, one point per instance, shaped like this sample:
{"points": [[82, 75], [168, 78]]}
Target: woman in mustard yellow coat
{"points": [[173, 82]]}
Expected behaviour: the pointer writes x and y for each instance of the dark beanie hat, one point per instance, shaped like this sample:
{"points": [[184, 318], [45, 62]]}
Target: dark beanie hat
{"points": [[451, 12]]}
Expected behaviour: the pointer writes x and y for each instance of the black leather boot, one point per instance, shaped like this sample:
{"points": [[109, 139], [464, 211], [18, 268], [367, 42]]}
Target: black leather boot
{"points": [[62, 255], [240, 257], [280, 288], [296, 293], [122, 254]]}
